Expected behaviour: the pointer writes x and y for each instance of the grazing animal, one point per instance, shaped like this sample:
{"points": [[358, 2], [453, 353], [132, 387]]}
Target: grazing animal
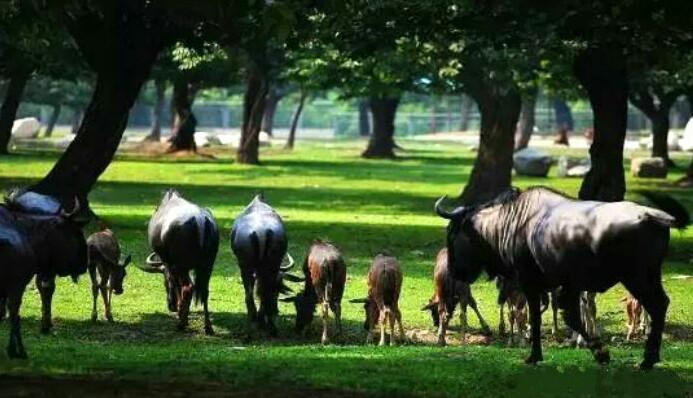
{"points": [[22, 235], [448, 292], [547, 240], [638, 319], [184, 237], [510, 295], [325, 275], [382, 302], [106, 269], [259, 241]]}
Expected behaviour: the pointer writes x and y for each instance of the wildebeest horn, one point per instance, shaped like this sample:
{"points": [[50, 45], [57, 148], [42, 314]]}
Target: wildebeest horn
{"points": [[359, 300], [152, 266], [292, 278], [450, 215], [74, 211], [288, 299], [288, 266]]}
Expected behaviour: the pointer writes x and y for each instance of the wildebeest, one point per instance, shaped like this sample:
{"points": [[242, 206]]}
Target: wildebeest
{"points": [[184, 237], [382, 303], [324, 270], [23, 237], [546, 240], [106, 269], [510, 295], [638, 319], [259, 241], [448, 292]]}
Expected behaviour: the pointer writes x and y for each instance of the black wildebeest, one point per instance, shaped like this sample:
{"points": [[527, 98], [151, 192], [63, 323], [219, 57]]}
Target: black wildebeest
{"points": [[547, 240], [28, 247], [324, 270], [106, 269], [448, 292], [259, 241], [382, 303], [184, 237]]}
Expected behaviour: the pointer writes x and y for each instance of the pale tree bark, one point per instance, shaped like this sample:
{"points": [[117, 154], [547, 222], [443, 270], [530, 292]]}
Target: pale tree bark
{"points": [[294, 121]]}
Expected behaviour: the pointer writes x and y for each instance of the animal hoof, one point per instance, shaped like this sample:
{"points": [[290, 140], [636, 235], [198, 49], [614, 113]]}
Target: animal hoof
{"points": [[209, 331], [602, 356]]}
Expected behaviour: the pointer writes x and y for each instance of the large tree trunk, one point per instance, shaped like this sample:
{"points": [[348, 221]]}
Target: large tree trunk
{"points": [[271, 103], [525, 127], [158, 110], [602, 72], [382, 143], [253, 110], [364, 118], [185, 123], [492, 173], [294, 121], [8, 110], [656, 107], [467, 105], [53, 119]]}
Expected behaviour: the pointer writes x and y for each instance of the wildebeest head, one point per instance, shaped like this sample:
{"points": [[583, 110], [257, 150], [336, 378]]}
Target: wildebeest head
{"points": [[370, 308], [104, 243], [304, 303], [118, 273], [154, 264]]}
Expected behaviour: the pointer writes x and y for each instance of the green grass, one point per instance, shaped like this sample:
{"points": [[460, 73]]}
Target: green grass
{"points": [[326, 190]]}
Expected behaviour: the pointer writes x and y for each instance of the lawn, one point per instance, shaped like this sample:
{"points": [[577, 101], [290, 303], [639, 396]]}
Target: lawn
{"points": [[327, 191]]}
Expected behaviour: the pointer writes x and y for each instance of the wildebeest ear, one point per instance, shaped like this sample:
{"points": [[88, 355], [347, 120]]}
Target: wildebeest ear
{"points": [[359, 300], [126, 261]]}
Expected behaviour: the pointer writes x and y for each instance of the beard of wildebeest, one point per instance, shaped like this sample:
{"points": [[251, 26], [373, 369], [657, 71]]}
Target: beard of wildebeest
{"points": [[462, 254]]}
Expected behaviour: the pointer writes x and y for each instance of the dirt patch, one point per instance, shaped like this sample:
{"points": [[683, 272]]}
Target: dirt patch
{"points": [[428, 337], [11, 386]]}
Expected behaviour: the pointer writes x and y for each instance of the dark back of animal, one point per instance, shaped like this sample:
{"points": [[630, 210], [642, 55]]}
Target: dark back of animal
{"points": [[325, 271], [385, 280]]}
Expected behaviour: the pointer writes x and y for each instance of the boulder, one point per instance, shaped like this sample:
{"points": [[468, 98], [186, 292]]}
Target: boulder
{"points": [[205, 139], [686, 142], [65, 141], [672, 142], [648, 167], [573, 166], [27, 127], [264, 139], [532, 162]]}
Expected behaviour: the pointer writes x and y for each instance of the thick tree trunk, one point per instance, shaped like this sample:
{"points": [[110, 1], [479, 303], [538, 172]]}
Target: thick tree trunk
{"points": [[8, 110], [382, 143], [602, 72], [656, 107], [253, 110], [492, 173], [467, 104], [185, 123], [53, 119], [271, 102], [660, 136], [158, 110], [364, 118], [294, 122], [525, 127]]}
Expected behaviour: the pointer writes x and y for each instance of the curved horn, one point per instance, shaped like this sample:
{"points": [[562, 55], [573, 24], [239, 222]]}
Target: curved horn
{"points": [[450, 215], [359, 300], [288, 266], [292, 278], [152, 266], [290, 299], [151, 262], [74, 211]]}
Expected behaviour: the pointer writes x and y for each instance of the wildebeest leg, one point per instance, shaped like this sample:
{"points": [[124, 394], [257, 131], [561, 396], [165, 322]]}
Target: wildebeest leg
{"points": [[484, 326], [94, 293], [569, 301], [463, 321], [534, 302], [209, 330], [398, 317], [106, 302], [554, 311], [15, 349], [382, 319], [645, 323], [325, 319], [337, 310], [655, 301], [3, 307], [512, 312], [501, 321], [442, 323], [249, 287], [186, 293], [46, 288], [391, 319]]}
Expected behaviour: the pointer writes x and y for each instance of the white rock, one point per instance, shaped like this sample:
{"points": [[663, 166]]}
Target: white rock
{"points": [[27, 127], [532, 162], [686, 142], [578, 171], [648, 168], [65, 141], [264, 139]]}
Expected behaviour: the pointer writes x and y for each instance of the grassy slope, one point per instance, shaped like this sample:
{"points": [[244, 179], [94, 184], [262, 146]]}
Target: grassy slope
{"points": [[324, 190]]}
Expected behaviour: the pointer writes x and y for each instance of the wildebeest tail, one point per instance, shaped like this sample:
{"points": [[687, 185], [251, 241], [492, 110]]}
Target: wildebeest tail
{"points": [[328, 281], [388, 282], [261, 246], [670, 205], [203, 273]]}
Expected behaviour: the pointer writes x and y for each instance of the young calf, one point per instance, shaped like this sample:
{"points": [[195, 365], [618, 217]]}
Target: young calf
{"points": [[638, 319], [106, 269], [381, 305], [447, 294], [325, 276], [509, 294]]}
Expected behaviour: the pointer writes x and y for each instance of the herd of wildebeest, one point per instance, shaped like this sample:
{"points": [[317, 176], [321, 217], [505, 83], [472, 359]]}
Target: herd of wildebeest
{"points": [[542, 247]]}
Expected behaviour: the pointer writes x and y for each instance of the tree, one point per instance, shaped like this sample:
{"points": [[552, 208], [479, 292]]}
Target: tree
{"points": [[158, 110], [364, 118], [294, 121], [525, 127]]}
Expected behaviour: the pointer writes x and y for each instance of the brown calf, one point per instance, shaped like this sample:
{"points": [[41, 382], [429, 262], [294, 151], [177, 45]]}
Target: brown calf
{"points": [[638, 319], [325, 276], [509, 294], [448, 292], [381, 305], [106, 269]]}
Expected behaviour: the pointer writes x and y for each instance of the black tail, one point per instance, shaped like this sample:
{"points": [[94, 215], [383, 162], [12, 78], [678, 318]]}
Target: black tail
{"points": [[670, 205], [204, 273]]}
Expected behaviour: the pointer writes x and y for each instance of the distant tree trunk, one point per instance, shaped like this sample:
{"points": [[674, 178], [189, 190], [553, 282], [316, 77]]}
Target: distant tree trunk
{"points": [[77, 117], [602, 72], [8, 110], [158, 110], [364, 118], [467, 104], [183, 133], [253, 110], [492, 173], [294, 121], [53, 119], [656, 107], [382, 143], [271, 102], [525, 127]]}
